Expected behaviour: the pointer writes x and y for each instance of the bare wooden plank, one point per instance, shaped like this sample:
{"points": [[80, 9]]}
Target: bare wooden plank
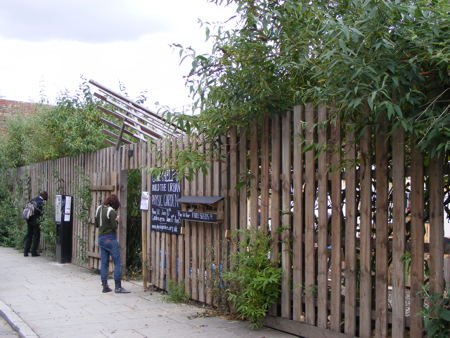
{"points": [[322, 245], [234, 202], [436, 226], [265, 175], [217, 232], [336, 229], [398, 246], [276, 188], [155, 252], [297, 259], [365, 237], [381, 303], [194, 239], [208, 233], [187, 236], [310, 269], [254, 169], [201, 235], [286, 262], [243, 214], [144, 220], [350, 236], [417, 237], [225, 188]]}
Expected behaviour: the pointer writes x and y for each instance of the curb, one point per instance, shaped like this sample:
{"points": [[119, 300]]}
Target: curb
{"points": [[17, 323]]}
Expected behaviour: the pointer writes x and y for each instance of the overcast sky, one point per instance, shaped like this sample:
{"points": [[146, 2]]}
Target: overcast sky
{"points": [[47, 45]]}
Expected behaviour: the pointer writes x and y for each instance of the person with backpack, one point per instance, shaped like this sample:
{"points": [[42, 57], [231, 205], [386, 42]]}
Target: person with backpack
{"points": [[35, 209], [106, 220]]}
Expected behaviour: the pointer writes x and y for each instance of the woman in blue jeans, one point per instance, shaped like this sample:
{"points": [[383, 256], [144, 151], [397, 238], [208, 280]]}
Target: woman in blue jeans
{"points": [[106, 221]]}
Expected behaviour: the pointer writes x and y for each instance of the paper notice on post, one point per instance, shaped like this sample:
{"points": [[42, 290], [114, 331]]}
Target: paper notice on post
{"points": [[145, 200], [67, 208]]}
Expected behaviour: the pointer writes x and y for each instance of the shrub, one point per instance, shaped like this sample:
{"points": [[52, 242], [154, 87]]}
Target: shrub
{"points": [[253, 284]]}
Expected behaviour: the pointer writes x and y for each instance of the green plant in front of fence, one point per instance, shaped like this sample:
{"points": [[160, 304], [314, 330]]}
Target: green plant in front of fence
{"points": [[436, 313], [253, 284], [48, 228], [175, 292], [83, 200]]}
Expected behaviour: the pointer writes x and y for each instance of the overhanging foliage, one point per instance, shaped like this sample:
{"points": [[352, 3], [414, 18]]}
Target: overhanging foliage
{"points": [[389, 57]]}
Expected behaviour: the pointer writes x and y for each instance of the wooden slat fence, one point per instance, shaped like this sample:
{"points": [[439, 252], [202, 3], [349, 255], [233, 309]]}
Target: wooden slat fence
{"points": [[340, 216]]}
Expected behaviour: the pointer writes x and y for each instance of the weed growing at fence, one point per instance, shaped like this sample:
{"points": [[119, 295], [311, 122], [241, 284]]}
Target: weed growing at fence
{"points": [[83, 199], [436, 313], [175, 292], [12, 226], [253, 283], [48, 228]]}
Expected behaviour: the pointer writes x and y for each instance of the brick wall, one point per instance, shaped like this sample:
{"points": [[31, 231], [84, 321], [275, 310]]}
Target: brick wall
{"points": [[10, 108]]}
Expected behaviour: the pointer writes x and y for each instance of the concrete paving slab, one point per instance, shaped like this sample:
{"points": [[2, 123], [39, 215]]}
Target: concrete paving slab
{"points": [[65, 300]]}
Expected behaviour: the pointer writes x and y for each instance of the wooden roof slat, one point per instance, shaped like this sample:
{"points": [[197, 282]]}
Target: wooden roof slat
{"points": [[161, 128], [121, 116], [115, 126], [111, 134]]}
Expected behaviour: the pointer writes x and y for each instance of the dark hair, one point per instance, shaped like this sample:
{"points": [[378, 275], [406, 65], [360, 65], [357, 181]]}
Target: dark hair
{"points": [[112, 201], [44, 195]]}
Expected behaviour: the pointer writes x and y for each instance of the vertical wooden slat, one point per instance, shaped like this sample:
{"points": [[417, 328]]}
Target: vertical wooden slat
{"points": [[276, 171], [297, 259], [310, 265], [224, 170], [381, 266], [234, 203], [243, 215], [173, 237], [436, 226], [265, 175], [144, 220], [217, 231], [187, 236], [201, 236], [286, 263], [254, 169], [180, 262], [365, 313], [336, 228], [417, 244], [322, 250], [398, 245], [209, 232], [350, 235], [194, 238]]}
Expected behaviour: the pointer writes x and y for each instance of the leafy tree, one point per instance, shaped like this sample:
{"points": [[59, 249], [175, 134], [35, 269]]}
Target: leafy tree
{"points": [[70, 128], [389, 56]]}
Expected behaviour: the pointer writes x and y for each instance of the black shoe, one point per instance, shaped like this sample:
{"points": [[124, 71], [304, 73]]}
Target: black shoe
{"points": [[25, 254], [106, 288], [119, 288], [35, 255]]}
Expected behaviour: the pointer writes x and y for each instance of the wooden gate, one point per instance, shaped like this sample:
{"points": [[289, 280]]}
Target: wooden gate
{"points": [[103, 185]]}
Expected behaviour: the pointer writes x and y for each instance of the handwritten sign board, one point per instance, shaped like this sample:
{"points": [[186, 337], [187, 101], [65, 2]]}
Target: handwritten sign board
{"points": [[198, 216], [165, 192]]}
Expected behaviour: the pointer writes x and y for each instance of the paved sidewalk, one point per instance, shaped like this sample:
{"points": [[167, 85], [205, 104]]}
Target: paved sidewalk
{"points": [[42, 298]]}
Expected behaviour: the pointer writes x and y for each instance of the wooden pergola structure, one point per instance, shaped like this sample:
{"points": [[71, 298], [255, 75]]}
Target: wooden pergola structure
{"points": [[137, 121]]}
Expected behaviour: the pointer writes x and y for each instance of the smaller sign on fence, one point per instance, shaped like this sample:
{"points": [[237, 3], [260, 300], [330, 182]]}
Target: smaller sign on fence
{"points": [[145, 200], [165, 192]]}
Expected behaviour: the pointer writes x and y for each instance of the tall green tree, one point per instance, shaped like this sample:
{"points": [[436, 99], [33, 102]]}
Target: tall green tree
{"points": [[391, 56]]}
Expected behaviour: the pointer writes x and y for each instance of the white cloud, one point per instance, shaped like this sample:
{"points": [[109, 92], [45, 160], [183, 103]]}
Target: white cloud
{"points": [[48, 44]]}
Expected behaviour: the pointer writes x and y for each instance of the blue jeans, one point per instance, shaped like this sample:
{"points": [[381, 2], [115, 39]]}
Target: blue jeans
{"points": [[109, 247]]}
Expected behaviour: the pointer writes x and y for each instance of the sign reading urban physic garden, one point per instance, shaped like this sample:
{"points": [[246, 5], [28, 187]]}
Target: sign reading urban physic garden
{"points": [[165, 192]]}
